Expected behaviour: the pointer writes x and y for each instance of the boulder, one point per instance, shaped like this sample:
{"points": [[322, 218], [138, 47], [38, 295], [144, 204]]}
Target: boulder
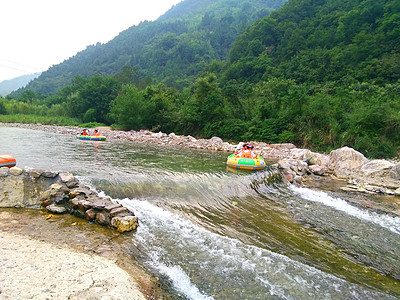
{"points": [[55, 209], [300, 154], [319, 159], [381, 173], [317, 170], [127, 223], [346, 162], [376, 168]]}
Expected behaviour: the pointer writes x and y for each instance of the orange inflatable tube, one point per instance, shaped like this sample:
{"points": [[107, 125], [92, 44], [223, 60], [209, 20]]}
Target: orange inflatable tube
{"points": [[7, 161]]}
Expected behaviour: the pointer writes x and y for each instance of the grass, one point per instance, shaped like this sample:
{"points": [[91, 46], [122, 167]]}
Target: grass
{"points": [[46, 120]]}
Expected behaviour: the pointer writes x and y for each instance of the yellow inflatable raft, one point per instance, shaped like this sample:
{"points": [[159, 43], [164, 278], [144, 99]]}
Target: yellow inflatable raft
{"points": [[249, 164]]}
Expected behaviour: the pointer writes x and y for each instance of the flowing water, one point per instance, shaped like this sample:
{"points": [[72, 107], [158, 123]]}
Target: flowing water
{"points": [[209, 233]]}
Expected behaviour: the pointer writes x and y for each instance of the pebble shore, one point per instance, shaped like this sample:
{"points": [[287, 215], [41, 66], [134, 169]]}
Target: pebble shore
{"points": [[32, 269]]}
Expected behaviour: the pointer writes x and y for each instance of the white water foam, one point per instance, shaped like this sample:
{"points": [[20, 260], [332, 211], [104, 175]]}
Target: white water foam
{"points": [[178, 248], [386, 221]]}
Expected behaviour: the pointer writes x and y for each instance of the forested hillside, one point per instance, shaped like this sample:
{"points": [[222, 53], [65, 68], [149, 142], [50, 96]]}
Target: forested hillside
{"points": [[321, 74], [173, 49], [322, 41]]}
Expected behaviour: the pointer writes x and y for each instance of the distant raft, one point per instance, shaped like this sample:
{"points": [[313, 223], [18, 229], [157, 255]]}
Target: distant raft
{"points": [[92, 137], [7, 161], [248, 164]]}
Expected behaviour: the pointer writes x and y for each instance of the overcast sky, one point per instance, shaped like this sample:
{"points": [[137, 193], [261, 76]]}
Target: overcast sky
{"points": [[36, 34]]}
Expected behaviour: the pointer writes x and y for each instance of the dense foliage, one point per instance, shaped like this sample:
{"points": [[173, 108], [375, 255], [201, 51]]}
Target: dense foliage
{"points": [[320, 74]]}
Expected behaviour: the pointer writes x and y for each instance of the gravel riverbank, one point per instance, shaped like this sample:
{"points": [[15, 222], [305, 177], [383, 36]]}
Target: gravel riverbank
{"points": [[67, 258]]}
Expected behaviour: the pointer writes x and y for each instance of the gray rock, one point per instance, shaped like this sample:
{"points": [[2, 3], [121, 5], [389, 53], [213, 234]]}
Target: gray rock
{"points": [[395, 172], [120, 211], [317, 170], [376, 167], [344, 162], [49, 174], [4, 171], [55, 209], [69, 179]]}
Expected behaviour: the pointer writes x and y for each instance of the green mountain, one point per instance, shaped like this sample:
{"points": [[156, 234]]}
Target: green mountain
{"points": [[173, 49]]}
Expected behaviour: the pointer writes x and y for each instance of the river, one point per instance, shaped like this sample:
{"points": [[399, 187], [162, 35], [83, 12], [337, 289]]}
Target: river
{"points": [[209, 233]]}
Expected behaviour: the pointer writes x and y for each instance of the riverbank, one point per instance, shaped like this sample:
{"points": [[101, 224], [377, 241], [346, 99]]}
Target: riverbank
{"points": [[67, 258]]}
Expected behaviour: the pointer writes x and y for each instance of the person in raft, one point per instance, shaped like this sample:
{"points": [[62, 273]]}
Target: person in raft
{"points": [[84, 132], [96, 132], [246, 151]]}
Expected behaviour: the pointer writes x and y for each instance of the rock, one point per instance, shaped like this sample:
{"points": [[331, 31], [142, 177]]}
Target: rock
{"points": [[298, 180], [90, 214], [319, 159], [300, 154], [34, 173], [55, 209], [127, 223], [4, 171], [61, 199], [317, 170], [74, 202], [380, 173], [57, 187], [84, 205], [395, 172], [47, 202], [112, 206], [376, 167], [69, 179], [344, 162], [98, 205], [284, 165], [216, 140], [287, 146], [103, 218], [289, 177], [45, 195], [49, 174], [120, 211], [16, 171]]}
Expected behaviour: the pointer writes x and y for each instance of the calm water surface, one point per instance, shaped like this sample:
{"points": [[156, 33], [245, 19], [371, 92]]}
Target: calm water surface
{"points": [[209, 233]]}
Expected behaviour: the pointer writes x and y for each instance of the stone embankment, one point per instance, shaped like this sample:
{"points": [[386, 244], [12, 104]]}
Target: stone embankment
{"points": [[297, 166], [60, 193]]}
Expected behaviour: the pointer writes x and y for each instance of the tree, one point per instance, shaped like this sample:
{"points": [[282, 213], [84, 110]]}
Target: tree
{"points": [[129, 109]]}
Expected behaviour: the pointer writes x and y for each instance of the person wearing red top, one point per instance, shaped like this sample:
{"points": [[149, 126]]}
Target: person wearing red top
{"points": [[96, 132], [246, 151]]}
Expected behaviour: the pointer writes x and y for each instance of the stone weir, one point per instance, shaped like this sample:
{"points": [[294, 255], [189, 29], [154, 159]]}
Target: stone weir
{"points": [[60, 193]]}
